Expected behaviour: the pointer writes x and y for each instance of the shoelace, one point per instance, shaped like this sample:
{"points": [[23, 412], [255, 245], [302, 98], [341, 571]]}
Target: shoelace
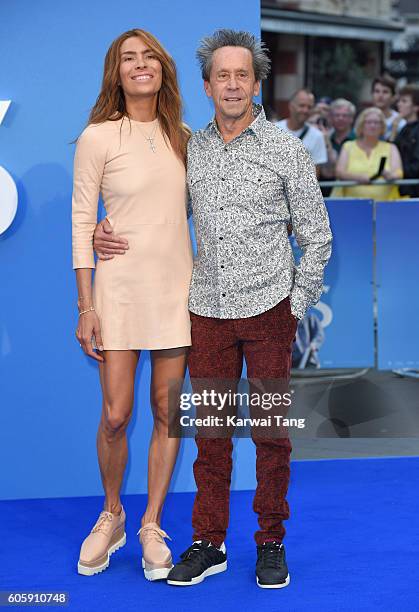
{"points": [[149, 531], [197, 553], [271, 555], [104, 517]]}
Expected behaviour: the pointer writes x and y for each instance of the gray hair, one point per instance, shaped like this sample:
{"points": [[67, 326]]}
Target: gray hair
{"points": [[233, 38], [343, 102]]}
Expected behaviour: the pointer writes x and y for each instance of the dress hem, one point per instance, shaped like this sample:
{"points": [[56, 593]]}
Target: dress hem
{"points": [[146, 348]]}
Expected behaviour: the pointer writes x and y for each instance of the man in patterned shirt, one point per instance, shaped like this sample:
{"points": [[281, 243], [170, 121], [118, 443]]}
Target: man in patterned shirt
{"points": [[247, 181]]}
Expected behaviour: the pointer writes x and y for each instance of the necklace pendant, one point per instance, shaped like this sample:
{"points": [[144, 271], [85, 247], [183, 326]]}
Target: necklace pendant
{"points": [[150, 139]]}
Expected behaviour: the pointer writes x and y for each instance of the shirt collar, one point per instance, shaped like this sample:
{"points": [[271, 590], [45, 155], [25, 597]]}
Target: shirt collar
{"points": [[349, 136], [256, 127]]}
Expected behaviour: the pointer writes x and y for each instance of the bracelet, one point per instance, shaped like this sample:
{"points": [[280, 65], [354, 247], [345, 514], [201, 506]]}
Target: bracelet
{"points": [[88, 310]]}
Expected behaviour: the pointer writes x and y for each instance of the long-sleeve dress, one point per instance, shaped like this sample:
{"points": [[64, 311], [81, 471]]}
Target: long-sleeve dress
{"points": [[141, 297]]}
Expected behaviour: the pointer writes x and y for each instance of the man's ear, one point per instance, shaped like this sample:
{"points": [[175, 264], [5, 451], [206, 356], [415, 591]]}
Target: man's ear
{"points": [[256, 88], [207, 88]]}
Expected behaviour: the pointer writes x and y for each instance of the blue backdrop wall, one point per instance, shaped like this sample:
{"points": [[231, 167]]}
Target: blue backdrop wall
{"points": [[346, 305], [51, 64], [397, 286]]}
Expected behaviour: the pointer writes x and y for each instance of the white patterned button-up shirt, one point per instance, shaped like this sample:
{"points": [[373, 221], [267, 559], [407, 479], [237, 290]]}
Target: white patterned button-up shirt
{"points": [[243, 195]]}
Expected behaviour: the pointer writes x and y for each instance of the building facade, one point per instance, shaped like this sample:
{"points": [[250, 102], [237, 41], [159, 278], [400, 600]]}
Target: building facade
{"points": [[334, 47], [404, 58]]}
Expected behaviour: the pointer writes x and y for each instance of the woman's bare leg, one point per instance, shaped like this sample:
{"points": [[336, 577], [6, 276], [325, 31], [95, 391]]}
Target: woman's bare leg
{"points": [[167, 365], [117, 376]]}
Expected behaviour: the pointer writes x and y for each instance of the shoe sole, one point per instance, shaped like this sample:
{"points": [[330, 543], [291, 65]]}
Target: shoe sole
{"points": [[280, 585], [215, 569], [85, 570], [157, 573]]}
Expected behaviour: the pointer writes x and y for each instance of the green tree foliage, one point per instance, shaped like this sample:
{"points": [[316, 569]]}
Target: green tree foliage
{"points": [[337, 72]]}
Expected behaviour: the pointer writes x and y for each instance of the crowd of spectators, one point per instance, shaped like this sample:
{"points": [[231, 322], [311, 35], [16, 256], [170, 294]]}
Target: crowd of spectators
{"points": [[380, 141]]}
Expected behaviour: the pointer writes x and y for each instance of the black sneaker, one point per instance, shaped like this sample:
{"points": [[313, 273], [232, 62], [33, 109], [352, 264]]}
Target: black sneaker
{"points": [[200, 560], [271, 566]]}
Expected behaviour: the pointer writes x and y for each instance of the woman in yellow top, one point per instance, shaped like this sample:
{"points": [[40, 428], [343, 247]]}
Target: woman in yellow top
{"points": [[359, 160]]}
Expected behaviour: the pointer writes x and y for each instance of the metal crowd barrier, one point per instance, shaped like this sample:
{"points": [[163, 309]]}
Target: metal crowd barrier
{"points": [[378, 182]]}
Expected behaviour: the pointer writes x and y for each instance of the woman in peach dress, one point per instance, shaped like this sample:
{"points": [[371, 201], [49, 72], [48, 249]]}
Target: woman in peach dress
{"points": [[133, 153]]}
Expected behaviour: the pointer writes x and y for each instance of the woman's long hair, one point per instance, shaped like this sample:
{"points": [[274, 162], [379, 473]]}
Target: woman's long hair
{"points": [[110, 104]]}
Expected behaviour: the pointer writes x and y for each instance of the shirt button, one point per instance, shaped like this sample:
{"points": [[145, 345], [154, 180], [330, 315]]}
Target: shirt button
{"points": [[225, 148], [221, 266], [221, 237], [221, 207], [222, 178], [223, 294]]}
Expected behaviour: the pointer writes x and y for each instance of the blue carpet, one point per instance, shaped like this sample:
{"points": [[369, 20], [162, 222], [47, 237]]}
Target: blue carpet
{"points": [[352, 544]]}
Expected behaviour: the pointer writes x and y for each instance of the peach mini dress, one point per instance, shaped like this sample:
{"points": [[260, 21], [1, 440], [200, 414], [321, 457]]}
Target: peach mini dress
{"points": [[141, 298]]}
